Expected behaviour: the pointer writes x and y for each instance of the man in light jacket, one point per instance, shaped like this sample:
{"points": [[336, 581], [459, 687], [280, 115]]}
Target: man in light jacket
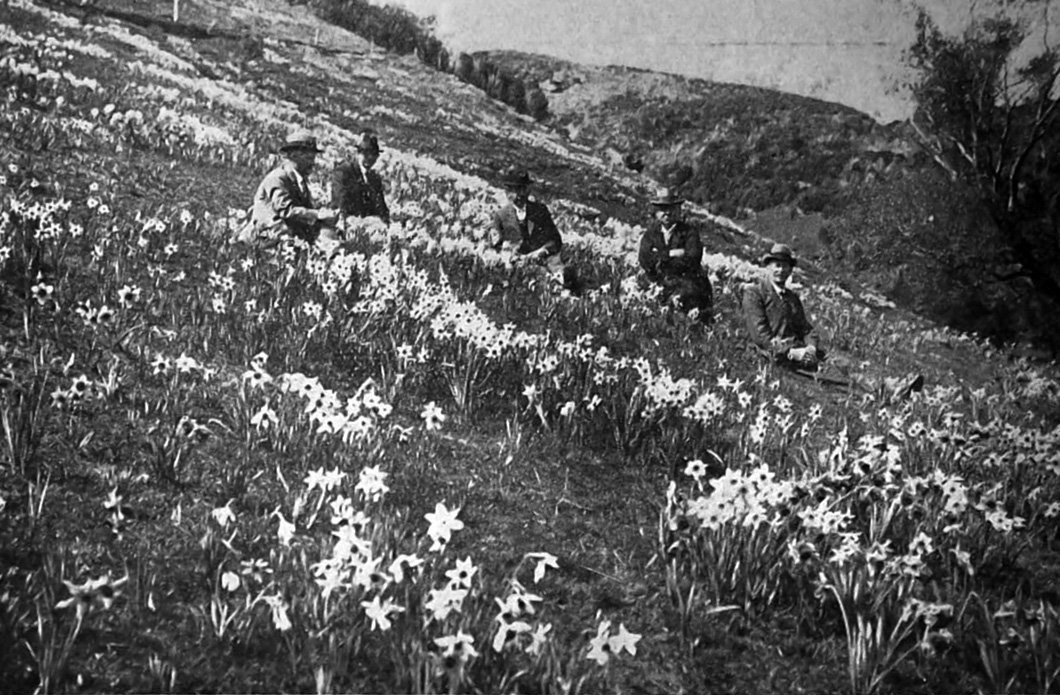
{"points": [[283, 205]]}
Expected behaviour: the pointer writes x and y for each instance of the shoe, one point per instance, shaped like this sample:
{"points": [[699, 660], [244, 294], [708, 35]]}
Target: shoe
{"points": [[902, 388]]}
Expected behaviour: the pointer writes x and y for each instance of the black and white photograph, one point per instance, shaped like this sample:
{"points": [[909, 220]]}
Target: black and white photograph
{"points": [[570, 347]]}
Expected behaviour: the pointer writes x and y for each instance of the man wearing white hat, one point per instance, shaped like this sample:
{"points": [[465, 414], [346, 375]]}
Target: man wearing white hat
{"points": [[282, 203]]}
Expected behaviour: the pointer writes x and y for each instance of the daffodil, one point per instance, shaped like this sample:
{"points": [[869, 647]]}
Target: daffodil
{"points": [[599, 646], [623, 640], [463, 572], [443, 522], [99, 592], [379, 612], [224, 515], [371, 483], [432, 416], [442, 602], [544, 560]]}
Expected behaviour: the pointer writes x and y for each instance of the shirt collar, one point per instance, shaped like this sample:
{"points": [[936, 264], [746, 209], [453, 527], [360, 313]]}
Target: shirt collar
{"points": [[297, 174]]}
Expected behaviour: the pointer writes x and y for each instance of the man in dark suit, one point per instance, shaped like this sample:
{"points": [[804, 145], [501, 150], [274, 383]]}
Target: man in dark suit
{"points": [[777, 324], [671, 255], [525, 227], [282, 203], [356, 188], [774, 315]]}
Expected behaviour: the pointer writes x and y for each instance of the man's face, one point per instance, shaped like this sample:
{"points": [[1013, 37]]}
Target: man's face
{"points": [[519, 195], [669, 214], [303, 160], [367, 158], [779, 271]]}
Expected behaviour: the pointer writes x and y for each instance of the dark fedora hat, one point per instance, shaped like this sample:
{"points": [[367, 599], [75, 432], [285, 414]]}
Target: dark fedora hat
{"points": [[516, 178], [367, 141], [300, 139], [666, 196], [780, 252]]}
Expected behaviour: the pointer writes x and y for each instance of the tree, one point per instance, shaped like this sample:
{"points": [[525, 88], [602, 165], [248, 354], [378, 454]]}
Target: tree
{"points": [[516, 97], [991, 116], [464, 67], [537, 104]]}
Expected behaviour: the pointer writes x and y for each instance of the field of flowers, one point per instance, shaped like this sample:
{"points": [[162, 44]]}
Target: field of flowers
{"points": [[408, 463]]}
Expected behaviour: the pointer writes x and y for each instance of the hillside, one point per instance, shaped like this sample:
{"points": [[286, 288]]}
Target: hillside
{"points": [[865, 199], [410, 463], [740, 149]]}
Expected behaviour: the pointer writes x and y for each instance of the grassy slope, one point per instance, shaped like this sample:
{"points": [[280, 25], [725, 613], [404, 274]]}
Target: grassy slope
{"points": [[576, 498]]}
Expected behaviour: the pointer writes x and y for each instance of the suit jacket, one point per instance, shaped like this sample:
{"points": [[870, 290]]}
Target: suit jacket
{"points": [[356, 194], [655, 257], [535, 231], [775, 322], [282, 205]]}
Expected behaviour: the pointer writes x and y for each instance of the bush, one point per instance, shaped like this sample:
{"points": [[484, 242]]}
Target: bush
{"points": [[928, 243], [537, 104]]}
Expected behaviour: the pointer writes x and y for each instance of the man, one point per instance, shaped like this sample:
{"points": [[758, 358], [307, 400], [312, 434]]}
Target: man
{"points": [[282, 203], [525, 226], [671, 255], [775, 318], [777, 324], [356, 188]]}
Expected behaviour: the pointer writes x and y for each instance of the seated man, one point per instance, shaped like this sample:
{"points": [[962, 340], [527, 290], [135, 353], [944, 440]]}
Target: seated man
{"points": [[777, 324], [671, 255], [525, 226], [357, 189], [775, 318], [282, 203]]}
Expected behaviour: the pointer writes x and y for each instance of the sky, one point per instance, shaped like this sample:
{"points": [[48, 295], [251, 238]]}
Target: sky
{"points": [[849, 51]]}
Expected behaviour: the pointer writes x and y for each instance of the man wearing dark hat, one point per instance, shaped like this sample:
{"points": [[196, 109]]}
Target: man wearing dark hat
{"points": [[671, 255], [282, 203], [356, 188], [778, 325], [775, 318], [525, 225]]}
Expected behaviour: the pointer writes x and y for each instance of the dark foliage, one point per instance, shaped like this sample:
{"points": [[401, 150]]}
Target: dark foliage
{"points": [[996, 127], [400, 31]]}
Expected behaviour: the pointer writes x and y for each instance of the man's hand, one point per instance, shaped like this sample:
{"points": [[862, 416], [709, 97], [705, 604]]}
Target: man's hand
{"points": [[677, 253], [804, 355], [327, 216]]}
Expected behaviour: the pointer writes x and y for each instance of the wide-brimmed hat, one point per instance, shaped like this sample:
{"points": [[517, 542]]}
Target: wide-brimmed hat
{"points": [[367, 142], [666, 196], [779, 252], [516, 178], [300, 139]]}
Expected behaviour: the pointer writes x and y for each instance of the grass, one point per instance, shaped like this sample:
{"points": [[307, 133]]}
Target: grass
{"points": [[156, 451]]}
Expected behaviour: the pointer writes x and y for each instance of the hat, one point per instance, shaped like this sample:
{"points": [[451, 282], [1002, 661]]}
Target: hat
{"points": [[666, 196], [516, 178], [300, 139], [779, 252], [367, 142]]}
